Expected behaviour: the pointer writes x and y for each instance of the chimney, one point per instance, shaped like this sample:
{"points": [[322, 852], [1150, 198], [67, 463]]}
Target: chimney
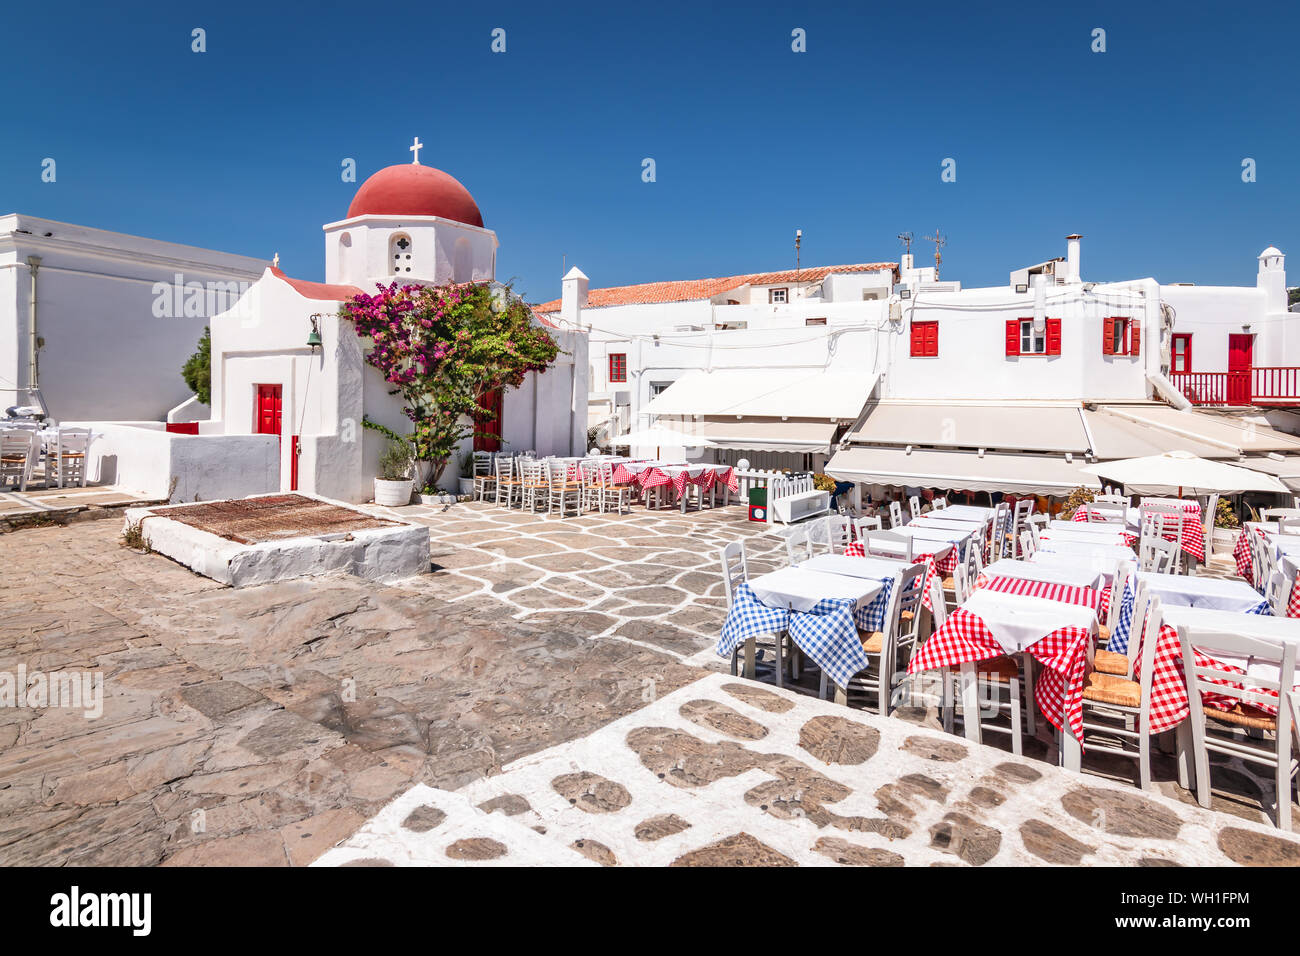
{"points": [[905, 266], [1072, 258], [573, 297]]}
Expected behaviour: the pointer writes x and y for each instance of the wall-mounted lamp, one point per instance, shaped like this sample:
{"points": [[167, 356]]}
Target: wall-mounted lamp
{"points": [[1021, 288], [313, 339]]}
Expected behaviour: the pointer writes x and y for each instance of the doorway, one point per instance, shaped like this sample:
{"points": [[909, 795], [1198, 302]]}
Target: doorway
{"points": [[1241, 353]]}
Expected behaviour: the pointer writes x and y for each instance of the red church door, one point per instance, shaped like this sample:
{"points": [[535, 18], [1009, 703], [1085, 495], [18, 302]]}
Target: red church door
{"points": [[269, 406], [1241, 352], [487, 436]]}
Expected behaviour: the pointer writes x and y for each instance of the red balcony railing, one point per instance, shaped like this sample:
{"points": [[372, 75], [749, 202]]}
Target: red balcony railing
{"points": [[1265, 385]]}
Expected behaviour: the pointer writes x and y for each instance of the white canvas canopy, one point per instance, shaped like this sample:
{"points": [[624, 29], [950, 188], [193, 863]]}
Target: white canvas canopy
{"points": [[659, 436], [1182, 473]]}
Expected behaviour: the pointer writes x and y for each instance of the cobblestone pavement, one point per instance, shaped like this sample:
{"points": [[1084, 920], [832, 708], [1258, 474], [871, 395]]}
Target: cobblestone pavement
{"points": [[266, 725]]}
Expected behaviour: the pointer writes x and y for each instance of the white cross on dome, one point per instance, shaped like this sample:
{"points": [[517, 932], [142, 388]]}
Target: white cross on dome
{"points": [[415, 148]]}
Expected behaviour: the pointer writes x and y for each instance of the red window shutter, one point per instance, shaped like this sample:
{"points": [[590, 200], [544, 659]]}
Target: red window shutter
{"points": [[1053, 336], [1134, 336], [918, 339], [1013, 336], [932, 339], [1108, 337]]}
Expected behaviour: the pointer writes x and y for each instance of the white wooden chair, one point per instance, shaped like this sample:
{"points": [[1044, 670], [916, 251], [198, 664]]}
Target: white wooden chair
{"points": [[65, 460], [1277, 514], [938, 504], [891, 648], [563, 494], [1112, 499], [1028, 544], [535, 485], [1117, 709], [611, 496], [1246, 732], [1207, 523], [484, 479], [1278, 592], [1000, 541], [886, 544], [895, 515], [1023, 509], [861, 526], [1158, 555], [505, 490], [835, 532], [19, 449], [799, 544], [1288, 525], [914, 506], [1261, 559]]}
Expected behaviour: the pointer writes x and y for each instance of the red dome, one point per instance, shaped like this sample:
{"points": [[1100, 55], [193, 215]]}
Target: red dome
{"points": [[413, 190]]}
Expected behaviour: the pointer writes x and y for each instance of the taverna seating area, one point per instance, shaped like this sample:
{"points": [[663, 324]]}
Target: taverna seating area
{"points": [[1093, 634]]}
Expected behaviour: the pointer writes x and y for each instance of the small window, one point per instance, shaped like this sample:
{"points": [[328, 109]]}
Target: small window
{"points": [[1121, 336], [814, 321], [1180, 353], [658, 388], [618, 367], [778, 296], [399, 253], [1032, 342], [925, 339]]}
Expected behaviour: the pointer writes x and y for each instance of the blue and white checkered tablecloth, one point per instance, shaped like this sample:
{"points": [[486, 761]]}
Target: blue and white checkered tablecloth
{"points": [[828, 633], [1120, 637]]}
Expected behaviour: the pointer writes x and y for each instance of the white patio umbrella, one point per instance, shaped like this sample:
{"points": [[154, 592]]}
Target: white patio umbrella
{"points": [[659, 436], [1181, 472]]}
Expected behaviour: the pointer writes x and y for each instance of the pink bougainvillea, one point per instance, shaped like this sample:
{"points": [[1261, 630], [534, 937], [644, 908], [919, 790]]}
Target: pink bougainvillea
{"points": [[443, 348]]}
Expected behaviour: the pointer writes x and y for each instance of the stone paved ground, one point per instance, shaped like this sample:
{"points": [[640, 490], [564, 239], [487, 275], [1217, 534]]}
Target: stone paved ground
{"points": [[268, 724]]}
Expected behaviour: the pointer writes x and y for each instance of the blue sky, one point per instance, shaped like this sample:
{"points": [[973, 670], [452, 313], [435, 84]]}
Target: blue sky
{"points": [[239, 148]]}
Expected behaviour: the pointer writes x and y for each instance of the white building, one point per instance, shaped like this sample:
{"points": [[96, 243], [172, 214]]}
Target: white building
{"points": [[97, 324], [1007, 388], [287, 415]]}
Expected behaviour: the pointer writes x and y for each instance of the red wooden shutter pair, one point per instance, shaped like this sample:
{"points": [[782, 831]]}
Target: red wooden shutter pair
{"points": [[925, 339], [1108, 337], [1134, 336]]}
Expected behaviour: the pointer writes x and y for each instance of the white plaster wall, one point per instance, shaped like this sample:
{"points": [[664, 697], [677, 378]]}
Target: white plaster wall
{"points": [[1212, 313], [106, 354], [433, 251], [144, 459]]}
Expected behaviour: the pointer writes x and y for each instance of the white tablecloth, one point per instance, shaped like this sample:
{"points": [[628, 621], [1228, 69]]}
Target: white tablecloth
{"points": [[1097, 563], [964, 512], [869, 567], [920, 533], [1070, 575], [1085, 527], [1016, 621], [969, 525], [1276, 629], [1057, 535], [1085, 549], [801, 588], [1183, 590]]}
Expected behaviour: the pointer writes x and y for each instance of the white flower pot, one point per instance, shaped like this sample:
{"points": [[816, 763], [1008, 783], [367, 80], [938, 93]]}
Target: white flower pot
{"points": [[393, 493], [466, 486]]}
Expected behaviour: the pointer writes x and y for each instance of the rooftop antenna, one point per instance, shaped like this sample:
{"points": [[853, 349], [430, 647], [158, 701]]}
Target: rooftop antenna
{"points": [[939, 240], [798, 240], [906, 239]]}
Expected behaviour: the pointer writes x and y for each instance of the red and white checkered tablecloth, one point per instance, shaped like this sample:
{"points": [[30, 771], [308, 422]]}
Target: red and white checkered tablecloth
{"points": [[1097, 599], [1193, 532], [1246, 567], [1063, 653], [1169, 705]]}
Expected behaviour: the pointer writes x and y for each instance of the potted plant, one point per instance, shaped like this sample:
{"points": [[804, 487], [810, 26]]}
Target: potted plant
{"points": [[1226, 527], [467, 473], [393, 484]]}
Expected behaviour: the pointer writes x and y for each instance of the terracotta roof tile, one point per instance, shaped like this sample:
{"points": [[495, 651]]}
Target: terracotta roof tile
{"points": [[687, 290]]}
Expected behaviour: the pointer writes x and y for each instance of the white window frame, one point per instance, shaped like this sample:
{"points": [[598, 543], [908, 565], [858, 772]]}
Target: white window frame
{"points": [[1029, 337], [784, 294]]}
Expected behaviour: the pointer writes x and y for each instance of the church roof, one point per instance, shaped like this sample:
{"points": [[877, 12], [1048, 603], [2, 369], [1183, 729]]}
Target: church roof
{"points": [[318, 290], [687, 290], [414, 190]]}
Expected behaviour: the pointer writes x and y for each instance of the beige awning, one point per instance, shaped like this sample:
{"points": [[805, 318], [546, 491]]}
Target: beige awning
{"points": [[1236, 434], [1010, 426], [1116, 437], [1286, 468], [765, 434], [960, 471]]}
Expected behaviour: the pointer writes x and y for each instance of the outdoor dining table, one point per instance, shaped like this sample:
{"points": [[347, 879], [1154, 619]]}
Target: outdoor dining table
{"points": [[821, 610], [1183, 590], [1093, 527], [1105, 564], [963, 512], [1066, 574], [931, 520], [1055, 535], [1169, 704], [865, 567], [991, 623], [1286, 549], [1088, 549]]}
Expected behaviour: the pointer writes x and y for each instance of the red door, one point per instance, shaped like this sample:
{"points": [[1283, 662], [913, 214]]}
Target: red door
{"points": [[269, 405], [1241, 350], [487, 436]]}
